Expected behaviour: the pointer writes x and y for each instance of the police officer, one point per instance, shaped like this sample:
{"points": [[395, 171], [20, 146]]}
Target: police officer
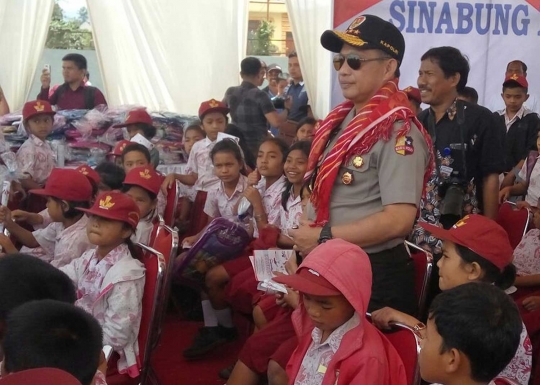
{"points": [[468, 146], [369, 160]]}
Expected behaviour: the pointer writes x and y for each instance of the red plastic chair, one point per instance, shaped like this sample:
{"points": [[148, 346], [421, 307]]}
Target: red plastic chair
{"points": [[172, 202], [154, 263], [165, 241], [40, 376], [407, 344], [423, 266], [515, 221]]}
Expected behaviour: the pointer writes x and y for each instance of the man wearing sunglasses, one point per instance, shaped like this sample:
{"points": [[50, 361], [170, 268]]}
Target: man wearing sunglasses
{"points": [[369, 161]]}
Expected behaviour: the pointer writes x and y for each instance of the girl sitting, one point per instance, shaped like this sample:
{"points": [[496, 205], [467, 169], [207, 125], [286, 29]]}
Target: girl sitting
{"points": [[109, 280]]}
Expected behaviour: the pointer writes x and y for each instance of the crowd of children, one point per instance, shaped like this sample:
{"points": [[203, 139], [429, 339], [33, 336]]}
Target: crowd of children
{"points": [[81, 286]]}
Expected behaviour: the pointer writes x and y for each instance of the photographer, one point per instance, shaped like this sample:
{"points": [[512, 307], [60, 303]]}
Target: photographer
{"points": [[468, 146]]}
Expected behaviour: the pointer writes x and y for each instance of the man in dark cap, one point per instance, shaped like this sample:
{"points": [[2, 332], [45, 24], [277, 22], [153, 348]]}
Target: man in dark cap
{"points": [[369, 161]]}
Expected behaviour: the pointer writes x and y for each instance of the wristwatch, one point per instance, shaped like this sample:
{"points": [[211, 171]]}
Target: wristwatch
{"points": [[326, 234]]}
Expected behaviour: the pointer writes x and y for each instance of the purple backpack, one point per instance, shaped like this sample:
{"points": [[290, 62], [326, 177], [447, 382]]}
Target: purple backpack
{"points": [[222, 241]]}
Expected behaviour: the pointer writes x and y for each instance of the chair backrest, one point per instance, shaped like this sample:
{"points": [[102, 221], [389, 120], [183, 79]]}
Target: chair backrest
{"points": [[172, 203], [515, 222], [407, 344], [423, 266], [166, 241], [154, 262]]}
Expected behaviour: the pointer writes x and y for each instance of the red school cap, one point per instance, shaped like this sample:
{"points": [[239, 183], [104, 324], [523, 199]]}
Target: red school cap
{"points": [[413, 93], [66, 184], [145, 177], [119, 148], [116, 206], [480, 234], [308, 281], [515, 78], [40, 376], [212, 105], [139, 116], [37, 107], [89, 172]]}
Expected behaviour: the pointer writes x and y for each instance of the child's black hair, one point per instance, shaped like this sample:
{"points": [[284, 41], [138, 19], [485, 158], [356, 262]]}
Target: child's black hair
{"points": [[229, 146], [469, 93], [492, 274], [284, 149], [136, 147], [249, 158], [306, 120], [72, 211], [149, 131], [111, 175], [512, 84], [153, 197], [24, 278], [305, 147], [482, 322], [195, 126], [53, 334]]}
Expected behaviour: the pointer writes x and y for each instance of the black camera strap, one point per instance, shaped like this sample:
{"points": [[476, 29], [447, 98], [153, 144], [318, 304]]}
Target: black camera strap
{"points": [[460, 119]]}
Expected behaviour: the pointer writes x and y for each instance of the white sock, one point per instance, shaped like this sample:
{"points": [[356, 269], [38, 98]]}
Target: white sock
{"points": [[209, 314], [224, 317]]}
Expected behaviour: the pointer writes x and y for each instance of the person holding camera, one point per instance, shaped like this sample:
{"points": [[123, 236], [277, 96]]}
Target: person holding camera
{"points": [[251, 108], [468, 146], [369, 161]]}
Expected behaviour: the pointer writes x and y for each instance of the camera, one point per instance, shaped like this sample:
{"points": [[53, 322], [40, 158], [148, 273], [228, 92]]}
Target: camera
{"points": [[452, 193], [278, 102]]}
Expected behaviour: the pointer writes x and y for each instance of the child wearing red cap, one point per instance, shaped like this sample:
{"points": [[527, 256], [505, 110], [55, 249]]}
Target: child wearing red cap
{"points": [[142, 184], [115, 155], [521, 124], [199, 171], [475, 249], [36, 157], [109, 280], [140, 122], [335, 341], [64, 239]]}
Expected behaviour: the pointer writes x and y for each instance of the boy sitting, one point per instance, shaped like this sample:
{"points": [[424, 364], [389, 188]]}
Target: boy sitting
{"points": [[473, 332], [334, 338], [52, 334]]}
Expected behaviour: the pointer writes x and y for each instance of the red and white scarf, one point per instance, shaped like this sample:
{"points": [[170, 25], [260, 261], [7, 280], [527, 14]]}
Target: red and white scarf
{"points": [[374, 122]]}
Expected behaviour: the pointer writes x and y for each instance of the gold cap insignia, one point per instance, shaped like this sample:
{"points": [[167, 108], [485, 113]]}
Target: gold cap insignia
{"points": [[514, 77], [106, 203], [461, 222], [213, 103], [39, 107], [83, 171], [145, 174]]}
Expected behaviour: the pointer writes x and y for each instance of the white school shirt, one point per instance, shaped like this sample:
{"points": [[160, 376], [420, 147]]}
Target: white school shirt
{"points": [[219, 205], [36, 158], [199, 162]]}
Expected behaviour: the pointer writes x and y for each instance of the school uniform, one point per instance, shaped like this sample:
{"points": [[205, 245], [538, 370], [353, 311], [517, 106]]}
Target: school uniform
{"points": [[59, 245], [242, 290], [36, 158], [199, 162], [219, 205], [111, 290]]}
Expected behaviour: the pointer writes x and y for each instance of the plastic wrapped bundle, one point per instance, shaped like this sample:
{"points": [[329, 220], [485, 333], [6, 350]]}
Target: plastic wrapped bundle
{"points": [[94, 123], [222, 241]]}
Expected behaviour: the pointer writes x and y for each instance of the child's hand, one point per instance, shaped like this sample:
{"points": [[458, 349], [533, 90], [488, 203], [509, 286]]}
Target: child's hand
{"points": [[254, 178], [17, 188], [5, 215], [383, 317], [531, 303], [291, 266], [523, 204], [190, 240], [25, 216], [252, 195], [7, 245], [504, 194], [167, 183]]}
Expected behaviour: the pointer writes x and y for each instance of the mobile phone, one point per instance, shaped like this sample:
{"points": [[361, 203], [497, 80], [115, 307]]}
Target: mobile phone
{"points": [[47, 67]]}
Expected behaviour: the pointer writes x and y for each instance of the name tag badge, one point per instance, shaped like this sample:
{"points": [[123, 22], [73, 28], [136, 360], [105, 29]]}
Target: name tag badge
{"points": [[322, 369], [446, 171]]}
